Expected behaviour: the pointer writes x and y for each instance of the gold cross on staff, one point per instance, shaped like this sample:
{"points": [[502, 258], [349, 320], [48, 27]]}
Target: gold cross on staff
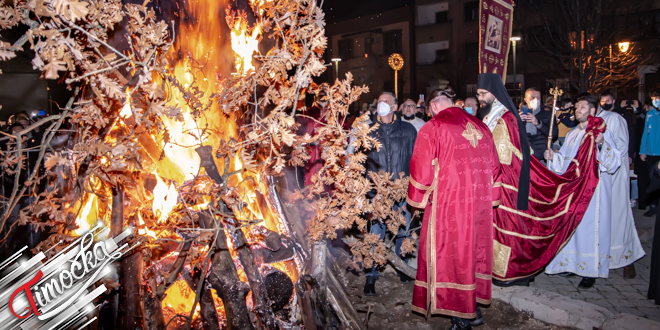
{"points": [[555, 93]]}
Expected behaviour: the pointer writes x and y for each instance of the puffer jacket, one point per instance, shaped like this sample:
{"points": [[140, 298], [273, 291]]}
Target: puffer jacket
{"points": [[650, 145], [398, 140]]}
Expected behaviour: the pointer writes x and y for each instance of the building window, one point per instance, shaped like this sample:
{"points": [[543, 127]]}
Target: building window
{"points": [[392, 41], [471, 90], [368, 45], [442, 55], [472, 53], [442, 17], [345, 48], [471, 11]]}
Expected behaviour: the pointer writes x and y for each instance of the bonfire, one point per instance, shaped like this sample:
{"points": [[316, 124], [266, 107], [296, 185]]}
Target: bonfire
{"points": [[180, 131]]}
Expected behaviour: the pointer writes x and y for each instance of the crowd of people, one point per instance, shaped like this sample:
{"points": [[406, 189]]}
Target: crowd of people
{"points": [[501, 203]]}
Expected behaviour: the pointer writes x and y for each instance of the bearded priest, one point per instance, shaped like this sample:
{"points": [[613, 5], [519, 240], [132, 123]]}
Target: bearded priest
{"points": [[454, 177], [587, 253], [539, 210]]}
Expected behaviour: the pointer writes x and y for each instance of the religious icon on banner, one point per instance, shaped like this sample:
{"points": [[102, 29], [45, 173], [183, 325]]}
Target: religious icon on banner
{"points": [[493, 40], [495, 25]]}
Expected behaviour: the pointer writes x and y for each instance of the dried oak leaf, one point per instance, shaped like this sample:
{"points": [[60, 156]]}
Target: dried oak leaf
{"points": [[50, 69], [72, 10], [5, 52], [54, 160], [408, 246], [111, 87]]}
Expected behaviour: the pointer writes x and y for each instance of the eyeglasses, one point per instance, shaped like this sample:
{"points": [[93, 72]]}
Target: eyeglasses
{"points": [[409, 106]]}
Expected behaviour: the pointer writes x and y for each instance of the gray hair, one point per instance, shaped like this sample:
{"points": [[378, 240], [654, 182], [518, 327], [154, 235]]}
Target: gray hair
{"points": [[390, 94]]}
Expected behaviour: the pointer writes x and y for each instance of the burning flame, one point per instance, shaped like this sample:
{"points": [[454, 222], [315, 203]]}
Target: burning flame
{"points": [[165, 199], [244, 44], [144, 231], [126, 109]]}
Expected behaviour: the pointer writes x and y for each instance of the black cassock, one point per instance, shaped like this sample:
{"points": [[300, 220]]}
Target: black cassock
{"points": [[654, 283]]}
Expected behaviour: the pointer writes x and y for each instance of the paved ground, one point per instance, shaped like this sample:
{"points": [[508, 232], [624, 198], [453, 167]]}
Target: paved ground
{"points": [[391, 308], [615, 293]]}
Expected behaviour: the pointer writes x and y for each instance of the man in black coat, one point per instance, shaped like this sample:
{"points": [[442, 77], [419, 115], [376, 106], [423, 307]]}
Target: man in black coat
{"points": [[537, 121], [397, 138]]}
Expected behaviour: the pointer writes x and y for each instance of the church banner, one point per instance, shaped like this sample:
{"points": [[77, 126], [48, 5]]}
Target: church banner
{"points": [[495, 23]]}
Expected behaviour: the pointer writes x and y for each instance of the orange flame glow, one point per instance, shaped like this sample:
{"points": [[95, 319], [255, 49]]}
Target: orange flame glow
{"points": [[165, 199], [244, 44]]}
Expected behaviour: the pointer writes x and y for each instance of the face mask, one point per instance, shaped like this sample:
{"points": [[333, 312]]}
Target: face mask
{"points": [[534, 103], [656, 103], [469, 110], [383, 109], [606, 107], [419, 115], [411, 117]]}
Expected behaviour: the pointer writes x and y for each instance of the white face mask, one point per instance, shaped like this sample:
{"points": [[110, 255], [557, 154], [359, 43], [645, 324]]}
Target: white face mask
{"points": [[383, 109], [533, 104]]}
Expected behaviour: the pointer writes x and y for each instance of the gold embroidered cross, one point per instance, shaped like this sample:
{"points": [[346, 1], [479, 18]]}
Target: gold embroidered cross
{"points": [[472, 134]]}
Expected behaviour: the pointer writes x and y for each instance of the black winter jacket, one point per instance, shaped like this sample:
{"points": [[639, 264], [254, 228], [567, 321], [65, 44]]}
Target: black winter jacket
{"points": [[398, 140], [539, 142]]}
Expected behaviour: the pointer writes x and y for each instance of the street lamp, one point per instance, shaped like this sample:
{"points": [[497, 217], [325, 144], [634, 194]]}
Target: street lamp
{"points": [[514, 40], [624, 46], [336, 60]]}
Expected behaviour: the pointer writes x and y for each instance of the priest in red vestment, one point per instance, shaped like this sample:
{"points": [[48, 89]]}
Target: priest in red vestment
{"points": [[454, 177], [539, 210]]}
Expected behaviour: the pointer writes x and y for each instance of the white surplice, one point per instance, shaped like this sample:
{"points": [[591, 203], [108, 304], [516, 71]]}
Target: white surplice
{"points": [[625, 247], [587, 252]]}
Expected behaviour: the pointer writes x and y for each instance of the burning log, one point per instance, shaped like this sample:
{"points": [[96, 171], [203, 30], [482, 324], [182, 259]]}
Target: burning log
{"points": [[173, 274], [330, 295], [208, 313], [131, 313], [262, 305], [206, 155], [279, 287], [153, 312], [224, 279], [315, 313]]}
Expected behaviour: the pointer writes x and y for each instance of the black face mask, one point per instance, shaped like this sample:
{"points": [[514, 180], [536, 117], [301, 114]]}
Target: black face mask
{"points": [[419, 115], [411, 117], [607, 107]]}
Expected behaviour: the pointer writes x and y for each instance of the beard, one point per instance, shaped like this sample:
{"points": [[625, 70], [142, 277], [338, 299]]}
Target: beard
{"points": [[484, 109]]}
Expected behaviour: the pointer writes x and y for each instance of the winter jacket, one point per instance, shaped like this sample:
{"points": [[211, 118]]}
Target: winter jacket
{"points": [[539, 141], [651, 138], [398, 140], [631, 129]]}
